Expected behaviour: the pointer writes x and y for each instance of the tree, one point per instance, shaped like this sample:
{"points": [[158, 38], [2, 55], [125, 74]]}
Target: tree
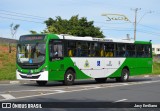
{"points": [[13, 29], [73, 26], [33, 32]]}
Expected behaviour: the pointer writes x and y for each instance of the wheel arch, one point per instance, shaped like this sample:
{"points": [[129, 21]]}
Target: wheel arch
{"points": [[72, 69], [126, 67]]}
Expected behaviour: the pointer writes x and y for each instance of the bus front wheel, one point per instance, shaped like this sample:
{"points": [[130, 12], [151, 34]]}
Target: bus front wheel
{"points": [[100, 80], [69, 78], [41, 83], [124, 76]]}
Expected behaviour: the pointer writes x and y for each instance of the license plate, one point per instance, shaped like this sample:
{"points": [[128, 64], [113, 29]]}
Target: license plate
{"points": [[29, 75]]}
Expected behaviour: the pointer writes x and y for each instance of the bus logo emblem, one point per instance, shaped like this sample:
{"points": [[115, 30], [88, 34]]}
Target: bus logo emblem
{"points": [[86, 64], [98, 63], [30, 61], [109, 64]]}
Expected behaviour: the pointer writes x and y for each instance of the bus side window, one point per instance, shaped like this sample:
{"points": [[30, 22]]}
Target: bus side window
{"points": [[92, 50], [102, 48], [70, 53], [97, 48], [71, 48], [109, 50], [147, 50], [101, 52], [131, 50], [59, 50], [121, 50], [78, 49], [140, 50], [55, 49], [84, 49]]}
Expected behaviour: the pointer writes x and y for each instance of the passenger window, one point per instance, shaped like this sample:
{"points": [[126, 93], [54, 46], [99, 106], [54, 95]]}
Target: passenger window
{"points": [[140, 50], [71, 49], [92, 50], [56, 49], [130, 48], [143, 50], [148, 51], [84, 49], [97, 49], [121, 50], [109, 50]]}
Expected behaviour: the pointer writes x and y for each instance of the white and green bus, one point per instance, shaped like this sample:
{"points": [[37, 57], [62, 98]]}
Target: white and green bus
{"points": [[52, 57]]}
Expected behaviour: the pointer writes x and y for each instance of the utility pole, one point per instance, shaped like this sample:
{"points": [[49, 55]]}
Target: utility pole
{"points": [[135, 21]]}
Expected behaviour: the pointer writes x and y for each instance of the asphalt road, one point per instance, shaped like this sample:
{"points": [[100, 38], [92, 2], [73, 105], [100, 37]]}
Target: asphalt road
{"points": [[136, 90]]}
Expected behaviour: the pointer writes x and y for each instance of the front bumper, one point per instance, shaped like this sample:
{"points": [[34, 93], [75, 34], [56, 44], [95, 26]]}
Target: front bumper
{"points": [[41, 76]]}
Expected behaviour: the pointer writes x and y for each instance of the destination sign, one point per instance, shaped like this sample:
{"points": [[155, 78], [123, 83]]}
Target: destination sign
{"points": [[32, 38], [101, 39]]}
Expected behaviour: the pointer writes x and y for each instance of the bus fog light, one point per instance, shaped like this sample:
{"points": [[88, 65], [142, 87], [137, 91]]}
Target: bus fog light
{"points": [[44, 69]]}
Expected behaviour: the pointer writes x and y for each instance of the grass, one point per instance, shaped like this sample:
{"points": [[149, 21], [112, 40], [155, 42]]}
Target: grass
{"points": [[156, 68], [8, 64]]}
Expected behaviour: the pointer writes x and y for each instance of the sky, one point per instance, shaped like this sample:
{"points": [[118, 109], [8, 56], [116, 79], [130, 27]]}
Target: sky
{"points": [[31, 14]]}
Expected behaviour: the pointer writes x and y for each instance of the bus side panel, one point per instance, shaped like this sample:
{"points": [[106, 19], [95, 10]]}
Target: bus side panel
{"points": [[58, 68], [130, 63], [137, 66], [143, 66], [98, 67]]}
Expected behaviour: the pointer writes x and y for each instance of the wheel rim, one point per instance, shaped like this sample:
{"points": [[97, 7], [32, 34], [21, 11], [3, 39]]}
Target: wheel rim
{"points": [[69, 77], [125, 76]]}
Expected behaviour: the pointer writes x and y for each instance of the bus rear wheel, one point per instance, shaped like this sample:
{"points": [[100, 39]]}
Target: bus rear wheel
{"points": [[124, 76], [69, 78], [100, 80], [41, 83]]}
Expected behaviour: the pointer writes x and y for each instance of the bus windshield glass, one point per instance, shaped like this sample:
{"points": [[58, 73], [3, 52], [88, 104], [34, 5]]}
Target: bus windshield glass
{"points": [[31, 53]]}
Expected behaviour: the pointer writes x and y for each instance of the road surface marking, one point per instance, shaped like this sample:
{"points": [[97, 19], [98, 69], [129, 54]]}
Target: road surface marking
{"points": [[60, 91], [14, 82], [7, 96], [83, 89], [120, 100]]}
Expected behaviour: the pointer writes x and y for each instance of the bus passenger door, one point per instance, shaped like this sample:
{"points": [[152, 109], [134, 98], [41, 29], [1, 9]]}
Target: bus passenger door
{"points": [[56, 62]]}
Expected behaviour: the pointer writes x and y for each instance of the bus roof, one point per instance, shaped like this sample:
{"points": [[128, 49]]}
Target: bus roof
{"points": [[88, 38]]}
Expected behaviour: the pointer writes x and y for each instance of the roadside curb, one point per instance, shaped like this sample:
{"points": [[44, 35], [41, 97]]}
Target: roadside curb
{"points": [[25, 81], [16, 82], [146, 76]]}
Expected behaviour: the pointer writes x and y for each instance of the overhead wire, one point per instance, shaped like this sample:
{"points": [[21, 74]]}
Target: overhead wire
{"points": [[20, 19], [23, 14], [29, 16]]}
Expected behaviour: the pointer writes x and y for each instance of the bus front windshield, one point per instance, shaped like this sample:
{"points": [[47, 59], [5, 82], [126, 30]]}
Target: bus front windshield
{"points": [[31, 53]]}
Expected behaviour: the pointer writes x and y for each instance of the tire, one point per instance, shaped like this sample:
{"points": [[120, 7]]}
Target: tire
{"points": [[69, 78], [124, 76], [100, 80], [41, 83]]}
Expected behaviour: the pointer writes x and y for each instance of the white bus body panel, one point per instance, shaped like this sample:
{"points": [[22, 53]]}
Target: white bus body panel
{"points": [[98, 67]]}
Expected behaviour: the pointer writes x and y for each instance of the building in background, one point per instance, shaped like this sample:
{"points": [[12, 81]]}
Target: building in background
{"points": [[156, 49]]}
